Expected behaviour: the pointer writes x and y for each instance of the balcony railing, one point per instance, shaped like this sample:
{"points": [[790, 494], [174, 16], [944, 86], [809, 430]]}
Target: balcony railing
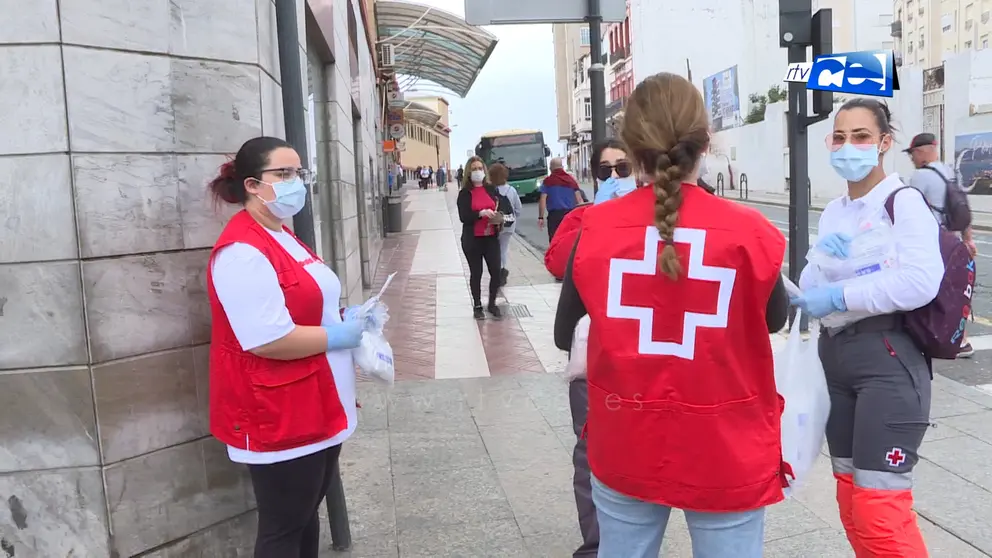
{"points": [[896, 29], [618, 55]]}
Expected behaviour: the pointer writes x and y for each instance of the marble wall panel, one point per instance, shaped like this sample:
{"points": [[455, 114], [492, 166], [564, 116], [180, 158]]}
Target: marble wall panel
{"points": [[268, 43], [141, 25], [137, 304], [196, 293], [169, 494], [273, 117], [217, 30], [54, 513], [202, 218], [31, 22], [119, 102], [147, 403], [39, 185], [41, 315], [231, 539], [32, 82], [126, 204], [47, 419], [216, 104]]}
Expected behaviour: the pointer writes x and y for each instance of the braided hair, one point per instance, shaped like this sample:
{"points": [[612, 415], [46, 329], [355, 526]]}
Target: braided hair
{"points": [[666, 128]]}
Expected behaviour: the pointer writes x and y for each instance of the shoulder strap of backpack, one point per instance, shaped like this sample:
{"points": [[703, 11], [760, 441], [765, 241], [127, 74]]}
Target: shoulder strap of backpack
{"points": [[890, 202], [946, 180]]}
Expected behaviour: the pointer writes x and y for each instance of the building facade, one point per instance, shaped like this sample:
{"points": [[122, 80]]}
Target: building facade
{"points": [[428, 135], [620, 71], [116, 119], [927, 32], [571, 48]]}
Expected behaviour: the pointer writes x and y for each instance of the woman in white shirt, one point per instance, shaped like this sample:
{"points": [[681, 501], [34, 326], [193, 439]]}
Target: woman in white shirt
{"points": [[878, 378], [498, 175], [282, 380]]}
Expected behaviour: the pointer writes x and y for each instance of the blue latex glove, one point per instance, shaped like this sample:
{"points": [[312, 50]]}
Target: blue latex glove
{"points": [[821, 301], [837, 245], [345, 335], [607, 190]]}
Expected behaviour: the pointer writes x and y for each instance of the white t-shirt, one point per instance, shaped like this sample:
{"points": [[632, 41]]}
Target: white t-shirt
{"points": [[248, 289]]}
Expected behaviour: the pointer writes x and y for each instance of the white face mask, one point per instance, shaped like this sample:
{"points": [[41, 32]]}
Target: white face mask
{"points": [[478, 176]]}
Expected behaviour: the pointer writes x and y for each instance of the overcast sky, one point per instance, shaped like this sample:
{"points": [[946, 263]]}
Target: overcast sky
{"points": [[516, 88]]}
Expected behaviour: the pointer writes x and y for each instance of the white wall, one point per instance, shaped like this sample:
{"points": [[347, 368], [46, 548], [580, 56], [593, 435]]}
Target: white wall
{"points": [[967, 89], [714, 35]]}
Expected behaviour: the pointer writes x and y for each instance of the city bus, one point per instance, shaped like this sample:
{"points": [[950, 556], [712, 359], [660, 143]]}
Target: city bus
{"points": [[525, 155]]}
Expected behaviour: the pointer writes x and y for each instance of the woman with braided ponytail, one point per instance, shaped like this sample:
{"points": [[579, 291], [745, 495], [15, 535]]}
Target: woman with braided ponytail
{"points": [[682, 289]]}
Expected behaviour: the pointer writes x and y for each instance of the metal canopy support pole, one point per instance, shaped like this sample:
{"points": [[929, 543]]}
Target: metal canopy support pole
{"points": [[597, 78], [798, 175], [292, 104]]}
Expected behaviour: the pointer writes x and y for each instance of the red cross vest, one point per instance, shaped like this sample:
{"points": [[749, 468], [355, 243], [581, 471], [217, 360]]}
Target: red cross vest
{"points": [[262, 404], [683, 409]]}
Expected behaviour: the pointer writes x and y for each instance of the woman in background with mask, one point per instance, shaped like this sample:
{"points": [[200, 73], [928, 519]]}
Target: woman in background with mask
{"points": [[615, 177], [282, 380], [615, 174], [477, 204], [879, 380]]}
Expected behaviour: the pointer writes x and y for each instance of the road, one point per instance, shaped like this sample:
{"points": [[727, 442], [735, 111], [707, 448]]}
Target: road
{"points": [[976, 371]]}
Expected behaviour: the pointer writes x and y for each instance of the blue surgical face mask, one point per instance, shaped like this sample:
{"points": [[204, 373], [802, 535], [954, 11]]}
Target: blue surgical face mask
{"points": [[291, 196], [854, 163], [625, 186]]}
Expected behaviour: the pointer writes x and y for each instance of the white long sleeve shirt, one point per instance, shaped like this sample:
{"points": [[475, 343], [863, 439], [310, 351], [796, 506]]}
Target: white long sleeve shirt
{"points": [[917, 243]]}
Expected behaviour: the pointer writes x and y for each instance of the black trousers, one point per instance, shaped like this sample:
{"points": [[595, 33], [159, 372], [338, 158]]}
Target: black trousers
{"points": [[555, 217], [289, 495], [479, 250], [578, 402]]}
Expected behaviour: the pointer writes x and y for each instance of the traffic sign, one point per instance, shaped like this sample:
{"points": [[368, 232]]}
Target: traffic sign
{"points": [[397, 131], [394, 115]]}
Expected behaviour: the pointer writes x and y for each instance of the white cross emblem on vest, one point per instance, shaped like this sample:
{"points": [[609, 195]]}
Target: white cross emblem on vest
{"points": [[648, 265]]}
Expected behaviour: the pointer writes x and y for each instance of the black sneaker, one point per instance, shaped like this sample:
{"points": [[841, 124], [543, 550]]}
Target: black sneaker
{"points": [[494, 310], [504, 275], [966, 351], [478, 314]]}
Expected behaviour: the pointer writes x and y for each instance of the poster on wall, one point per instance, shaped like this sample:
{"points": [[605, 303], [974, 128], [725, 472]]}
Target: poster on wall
{"points": [[973, 162], [723, 100]]}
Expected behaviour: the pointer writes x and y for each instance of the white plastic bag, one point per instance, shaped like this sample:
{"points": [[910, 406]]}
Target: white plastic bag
{"points": [[576, 367], [374, 357], [800, 381]]}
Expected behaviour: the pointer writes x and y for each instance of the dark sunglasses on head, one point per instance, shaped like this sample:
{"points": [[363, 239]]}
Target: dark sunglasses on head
{"points": [[623, 168]]}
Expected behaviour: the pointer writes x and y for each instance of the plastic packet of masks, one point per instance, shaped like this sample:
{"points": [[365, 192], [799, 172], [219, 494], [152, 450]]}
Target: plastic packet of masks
{"points": [[374, 356], [872, 250]]}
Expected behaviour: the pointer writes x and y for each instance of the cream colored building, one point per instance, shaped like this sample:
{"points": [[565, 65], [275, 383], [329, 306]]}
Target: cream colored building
{"points": [[927, 31], [428, 135], [571, 45]]}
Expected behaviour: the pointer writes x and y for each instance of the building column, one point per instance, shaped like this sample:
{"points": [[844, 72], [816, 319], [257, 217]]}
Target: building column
{"points": [[116, 115]]}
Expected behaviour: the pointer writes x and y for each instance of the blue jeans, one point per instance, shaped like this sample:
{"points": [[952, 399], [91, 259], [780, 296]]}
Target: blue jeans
{"points": [[631, 528]]}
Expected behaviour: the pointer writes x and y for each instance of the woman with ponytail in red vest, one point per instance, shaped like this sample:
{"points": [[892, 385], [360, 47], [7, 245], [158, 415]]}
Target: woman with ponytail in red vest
{"points": [[682, 289], [282, 381]]}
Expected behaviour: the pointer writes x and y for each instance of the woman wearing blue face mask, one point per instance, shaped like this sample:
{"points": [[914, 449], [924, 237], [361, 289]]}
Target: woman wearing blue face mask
{"points": [[878, 378], [282, 380]]}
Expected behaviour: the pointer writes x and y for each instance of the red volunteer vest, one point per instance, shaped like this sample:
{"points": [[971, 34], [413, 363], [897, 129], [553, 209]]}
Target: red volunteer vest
{"points": [[262, 404], [560, 248], [683, 409]]}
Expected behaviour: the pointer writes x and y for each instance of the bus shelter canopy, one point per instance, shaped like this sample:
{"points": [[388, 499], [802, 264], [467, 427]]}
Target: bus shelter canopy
{"points": [[433, 44]]}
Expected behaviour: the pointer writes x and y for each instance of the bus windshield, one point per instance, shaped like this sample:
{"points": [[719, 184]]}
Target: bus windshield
{"points": [[523, 154]]}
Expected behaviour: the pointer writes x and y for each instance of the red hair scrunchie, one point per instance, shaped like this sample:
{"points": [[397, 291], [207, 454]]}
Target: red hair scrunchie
{"points": [[227, 170]]}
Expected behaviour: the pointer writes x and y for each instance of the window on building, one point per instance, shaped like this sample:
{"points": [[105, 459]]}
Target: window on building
{"points": [[985, 41], [967, 44], [946, 23], [587, 108], [584, 36]]}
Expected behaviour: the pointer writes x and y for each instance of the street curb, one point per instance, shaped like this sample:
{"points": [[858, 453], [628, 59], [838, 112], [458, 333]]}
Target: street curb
{"points": [[983, 228], [534, 250]]}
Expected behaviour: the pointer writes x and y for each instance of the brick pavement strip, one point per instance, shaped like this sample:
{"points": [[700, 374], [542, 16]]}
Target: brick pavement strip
{"points": [[479, 467]]}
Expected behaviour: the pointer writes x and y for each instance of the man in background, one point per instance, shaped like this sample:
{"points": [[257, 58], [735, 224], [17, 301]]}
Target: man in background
{"points": [[560, 194], [933, 178]]}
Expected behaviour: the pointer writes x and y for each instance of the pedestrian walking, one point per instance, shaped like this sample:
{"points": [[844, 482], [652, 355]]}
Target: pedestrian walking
{"points": [[560, 194]]}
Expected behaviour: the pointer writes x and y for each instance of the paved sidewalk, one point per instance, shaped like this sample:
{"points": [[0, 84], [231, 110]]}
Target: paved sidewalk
{"points": [[468, 456]]}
